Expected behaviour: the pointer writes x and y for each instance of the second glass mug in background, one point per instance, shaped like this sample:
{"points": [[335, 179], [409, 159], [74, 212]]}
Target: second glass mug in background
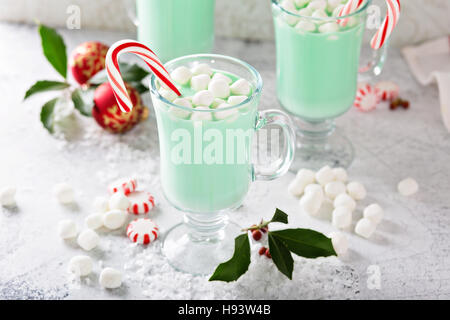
{"points": [[317, 76], [174, 28], [206, 190]]}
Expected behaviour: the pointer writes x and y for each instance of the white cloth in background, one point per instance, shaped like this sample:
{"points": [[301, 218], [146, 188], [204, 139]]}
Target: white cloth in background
{"points": [[430, 63]]}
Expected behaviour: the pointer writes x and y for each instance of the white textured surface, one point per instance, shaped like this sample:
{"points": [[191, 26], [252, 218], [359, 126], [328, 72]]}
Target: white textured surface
{"points": [[410, 246], [248, 19]]}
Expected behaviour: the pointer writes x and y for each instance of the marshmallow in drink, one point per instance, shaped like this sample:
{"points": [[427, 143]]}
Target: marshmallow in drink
{"points": [[324, 175], [8, 197], [311, 202], [340, 174], [202, 68], [101, 204], [344, 200], [110, 278], [217, 102], [178, 112], [337, 10], [341, 217], [88, 239], [200, 82], [333, 4], [408, 187], [329, 27], [340, 242], [118, 201], [301, 3], [167, 94], [203, 98], [319, 14], [94, 221], [356, 190], [219, 75], [234, 100], [365, 228], [374, 213], [114, 219], [334, 188], [304, 25], [67, 229], [64, 193], [184, 102], [219, 88], [221, 115], [318, 5], [305, 12], [81, 266], [240, 88], [182, 75], [200, 116]]}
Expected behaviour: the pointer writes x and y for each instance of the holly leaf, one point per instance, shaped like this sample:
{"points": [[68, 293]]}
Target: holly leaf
{"points": [[305, 242], [83, 101], [281, 256], [47, 114], [279, 216], [237, 265], [54, 49], [130, 73], [45, 85]]}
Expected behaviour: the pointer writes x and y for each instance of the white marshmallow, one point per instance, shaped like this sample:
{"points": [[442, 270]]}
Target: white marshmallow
{"points": [[408, 187], [311, 202], [101, 204], [200, 82], [234, 100], [63, 193], [305, 12], [329, 27], [200, 116], [301, 3], [119, 201], [303, 178], [365, 228], [333, 4], [114, 219], [240, 88], [217, 102], [306, 175], [342, 217], [81, 266], [221, 115], [374, 213], [313, 188], [340, 174], [305, 25], [183, 102], [324, 175], [202, 68], [344, 200], [94, 221], [110, 278], [182, 75], [88, 239], [340, 242], [296, 188], [203, 98], [318, 5], [219, 88], [178, 112], [319, 14], [218, 75], [288, 5], [356, 190], [67, 229], [8, 197], [167, 94], [334, 188]]}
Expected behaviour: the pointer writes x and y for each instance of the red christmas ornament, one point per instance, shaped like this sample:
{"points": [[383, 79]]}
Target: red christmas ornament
{"points": [[107, 113], [87, 59]]}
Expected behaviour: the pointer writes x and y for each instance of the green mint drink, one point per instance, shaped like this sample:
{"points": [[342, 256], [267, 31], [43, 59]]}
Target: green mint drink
{"points": [[176, 27]]}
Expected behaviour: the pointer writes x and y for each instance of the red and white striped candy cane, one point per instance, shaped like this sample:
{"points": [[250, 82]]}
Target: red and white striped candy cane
{"points": [[115, 77], [349, 8]]}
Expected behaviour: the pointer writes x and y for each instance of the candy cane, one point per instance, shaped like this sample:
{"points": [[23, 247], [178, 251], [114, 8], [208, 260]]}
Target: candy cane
{"points": [[349, 8], [115, 77]]}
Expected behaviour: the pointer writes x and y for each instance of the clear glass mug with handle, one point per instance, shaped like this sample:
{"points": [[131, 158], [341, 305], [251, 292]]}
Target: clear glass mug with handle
{"points": [[206, 164], [318, 63], [174, 28]]}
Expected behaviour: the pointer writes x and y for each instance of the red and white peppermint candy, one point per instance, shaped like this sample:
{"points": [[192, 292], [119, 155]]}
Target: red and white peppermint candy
{"points": [[387, 90], [367, 98], [125, 185], [115, 77], [142, 231], [141, 202]]}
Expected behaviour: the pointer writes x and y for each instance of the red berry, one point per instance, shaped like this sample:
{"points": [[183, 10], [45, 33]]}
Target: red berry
{"points": [[262, 251], [256, 235], [268, 254], [405, 104], [264, 229]]}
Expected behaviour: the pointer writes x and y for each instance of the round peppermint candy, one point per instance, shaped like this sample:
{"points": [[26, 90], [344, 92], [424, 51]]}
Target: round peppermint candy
{"points": [[125, 185], [142, 231], [141, 202]]}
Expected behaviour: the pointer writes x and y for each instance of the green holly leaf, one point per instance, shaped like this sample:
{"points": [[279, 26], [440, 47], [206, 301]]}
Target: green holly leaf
{"points": [[304, 242], [47, 114], [45, 85], [279, 216], [83, 101], [54, 49], [237, 265], [281, 256], [130, 73]]}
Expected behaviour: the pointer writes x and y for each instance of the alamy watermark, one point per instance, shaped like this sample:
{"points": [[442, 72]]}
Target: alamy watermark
{"points": [[73, 21]]}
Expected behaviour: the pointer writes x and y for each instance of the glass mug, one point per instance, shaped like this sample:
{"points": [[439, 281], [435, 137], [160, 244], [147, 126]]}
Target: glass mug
{"points": [[174, 28], [206, 185], [317, 76]]}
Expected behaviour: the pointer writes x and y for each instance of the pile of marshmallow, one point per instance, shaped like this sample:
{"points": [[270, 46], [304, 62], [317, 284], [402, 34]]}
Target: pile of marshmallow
{"points": [[124, 202], [319, 9], [330, 186], [213, 90]]}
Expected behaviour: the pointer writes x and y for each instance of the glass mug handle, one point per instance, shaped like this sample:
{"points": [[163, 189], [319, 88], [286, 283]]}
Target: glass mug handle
{"points": [[281, 165], [131, 11], [374, 67]]}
